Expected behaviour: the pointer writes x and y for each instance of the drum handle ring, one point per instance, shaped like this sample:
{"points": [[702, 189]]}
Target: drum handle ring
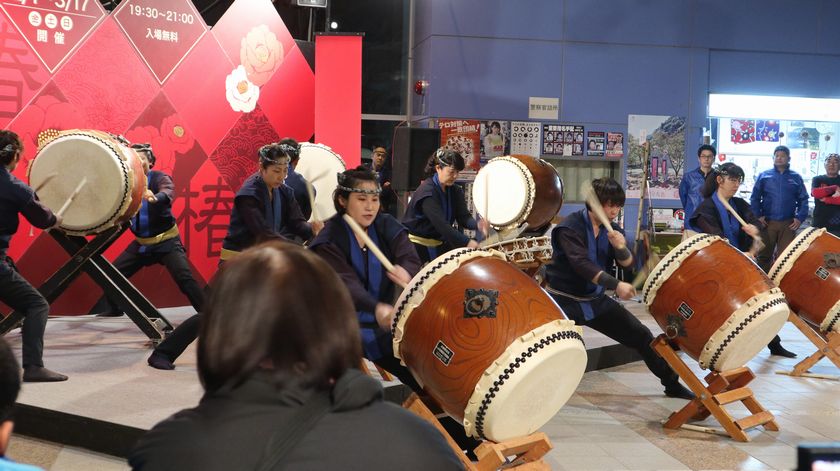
{"points": [[671, 332]]}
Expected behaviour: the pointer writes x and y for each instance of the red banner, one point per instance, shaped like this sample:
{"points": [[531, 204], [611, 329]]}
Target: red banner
{"points": [[338, 95]]}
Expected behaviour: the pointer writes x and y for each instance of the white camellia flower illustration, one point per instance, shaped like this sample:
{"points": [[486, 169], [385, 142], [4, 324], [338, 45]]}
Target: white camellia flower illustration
{"points": [[240, 92]]}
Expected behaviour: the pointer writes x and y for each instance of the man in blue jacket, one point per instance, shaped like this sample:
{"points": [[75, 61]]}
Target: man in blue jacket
{"points": [[693, 181], [780, 201]]}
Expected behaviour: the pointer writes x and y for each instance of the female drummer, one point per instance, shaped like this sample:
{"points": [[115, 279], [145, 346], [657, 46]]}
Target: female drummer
{"points": [[436, 204], [371, 286], [264, 207], [711, 217]]}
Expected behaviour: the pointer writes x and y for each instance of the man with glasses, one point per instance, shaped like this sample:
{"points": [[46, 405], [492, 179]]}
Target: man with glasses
{"points": [[692, 184], [826, 192], [382, 166]]}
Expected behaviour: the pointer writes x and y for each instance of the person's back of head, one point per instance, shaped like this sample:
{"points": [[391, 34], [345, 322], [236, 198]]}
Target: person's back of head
{"points": [[280, 309], [9, 389]]}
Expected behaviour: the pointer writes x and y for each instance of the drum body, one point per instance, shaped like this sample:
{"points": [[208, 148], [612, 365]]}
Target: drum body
{"points": [[715, 302], [319, 165], [807, 272], [517, 189], [115, 180], [527, 253], [488, 344]]}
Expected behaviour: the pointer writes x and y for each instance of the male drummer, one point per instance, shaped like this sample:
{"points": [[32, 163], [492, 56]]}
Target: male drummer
{"points": [[577, 279], [16, 197], [157, 240], [294, 180]]}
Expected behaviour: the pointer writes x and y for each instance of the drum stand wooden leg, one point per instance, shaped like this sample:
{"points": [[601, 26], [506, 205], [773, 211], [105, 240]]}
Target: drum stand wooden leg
{"points": [[527, 452], [828, 346], [87, 256], [382, 373], [720, 389]]}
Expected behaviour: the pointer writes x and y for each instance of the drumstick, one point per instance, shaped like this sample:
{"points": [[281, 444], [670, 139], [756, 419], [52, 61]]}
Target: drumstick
{"points": [[72, 197], [44, 183], [373, 248], [758, 244]]}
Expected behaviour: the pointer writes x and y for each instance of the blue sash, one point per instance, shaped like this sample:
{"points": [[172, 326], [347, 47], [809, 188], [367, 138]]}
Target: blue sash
{"points": [[369, 270], [728, 223], [141, 223], [597, 253], [272, 211], [443, 196]]}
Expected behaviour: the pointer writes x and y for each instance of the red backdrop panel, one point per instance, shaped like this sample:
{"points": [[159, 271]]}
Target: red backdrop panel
{"points": [[338, 95], [21, 73]]}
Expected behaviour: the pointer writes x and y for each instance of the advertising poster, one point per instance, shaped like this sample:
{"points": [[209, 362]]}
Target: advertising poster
{"points": [[742, 131], [595, 141], [464, 137], [665, 136], [525, 138], [495, 139], [615, 144], [563, 139]]}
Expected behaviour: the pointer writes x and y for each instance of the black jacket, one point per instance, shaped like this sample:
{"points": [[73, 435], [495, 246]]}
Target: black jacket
{"points": [[707, 218], [230, 430]]}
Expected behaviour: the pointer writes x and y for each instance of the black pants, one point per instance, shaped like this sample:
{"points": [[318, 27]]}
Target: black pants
{"points": [[176, 264], [617, 323], [180, 338], [21, 296]]}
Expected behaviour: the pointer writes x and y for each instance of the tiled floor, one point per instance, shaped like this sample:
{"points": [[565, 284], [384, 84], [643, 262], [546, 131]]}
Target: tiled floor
{"points": [[612, 422]]}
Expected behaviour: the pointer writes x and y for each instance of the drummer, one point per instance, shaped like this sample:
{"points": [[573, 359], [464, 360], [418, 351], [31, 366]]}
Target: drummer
{"points": [[16, 197], [264, 207], [438, 203], [371, 287], [711, 217], [577, 279], [156, 240]]}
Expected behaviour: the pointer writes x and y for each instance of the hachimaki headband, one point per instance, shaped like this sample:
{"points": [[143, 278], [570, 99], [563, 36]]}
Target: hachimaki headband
{"points": [[445, 157], [265, 153], [345, 185]]}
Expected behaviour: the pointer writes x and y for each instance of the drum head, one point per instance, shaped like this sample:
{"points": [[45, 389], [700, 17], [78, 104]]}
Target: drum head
{"points": [[319, 165], [522, 391], [503, 192], [62, 164]]}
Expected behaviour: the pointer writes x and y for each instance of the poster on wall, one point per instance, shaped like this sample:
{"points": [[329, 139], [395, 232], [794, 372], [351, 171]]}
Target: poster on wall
{"points": [[615, 145], [767, 130], [595, 143], [495, 139], [563, 139], [552, 139], [464, 137], [525, 138], [666, 137], [742, 131]]}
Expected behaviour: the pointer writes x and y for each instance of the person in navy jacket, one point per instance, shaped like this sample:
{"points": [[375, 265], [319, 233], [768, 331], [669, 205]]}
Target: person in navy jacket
{"points": [[780, 201], [692, 183], [18, 198]]}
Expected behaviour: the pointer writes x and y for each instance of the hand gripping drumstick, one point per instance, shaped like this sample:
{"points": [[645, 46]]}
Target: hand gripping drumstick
{"points": [[758, 244], [369, 243], [72, 197], [36, 190], [592, 199]]}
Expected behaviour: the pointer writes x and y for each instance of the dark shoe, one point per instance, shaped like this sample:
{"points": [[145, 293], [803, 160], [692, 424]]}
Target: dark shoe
{"points": [[781, 351], [679, 391], [109, 314], [159, 361], [39, 374]]}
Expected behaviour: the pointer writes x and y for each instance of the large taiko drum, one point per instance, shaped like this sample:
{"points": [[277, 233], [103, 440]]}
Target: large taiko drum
{"points": [[517, 189], [319, 165], [714, 302], [488, 344], [808, 272], [113, 173]]}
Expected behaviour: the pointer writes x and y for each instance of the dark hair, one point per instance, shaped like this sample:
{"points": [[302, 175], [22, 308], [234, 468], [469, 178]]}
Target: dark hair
{"points": [[291, 148], [832, 156], [10, 144], [271, 154], [352, 179], [727, 169], [444, 157], [146, 148], [279, 309], [608, 191], [783, 149], [706, 147], [9, 381], [495, 124], [377, 145]]}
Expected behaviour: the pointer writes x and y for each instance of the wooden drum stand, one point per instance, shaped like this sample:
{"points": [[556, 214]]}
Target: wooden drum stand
{"points": [[721, 388], [828, 346]]}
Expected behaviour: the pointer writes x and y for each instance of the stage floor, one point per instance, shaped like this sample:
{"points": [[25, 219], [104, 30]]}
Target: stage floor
{"points": [[612, 421]]}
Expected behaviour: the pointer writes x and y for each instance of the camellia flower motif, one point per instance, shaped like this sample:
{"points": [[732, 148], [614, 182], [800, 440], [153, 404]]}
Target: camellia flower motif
{"points": [[240, 92], [261, 54]]}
